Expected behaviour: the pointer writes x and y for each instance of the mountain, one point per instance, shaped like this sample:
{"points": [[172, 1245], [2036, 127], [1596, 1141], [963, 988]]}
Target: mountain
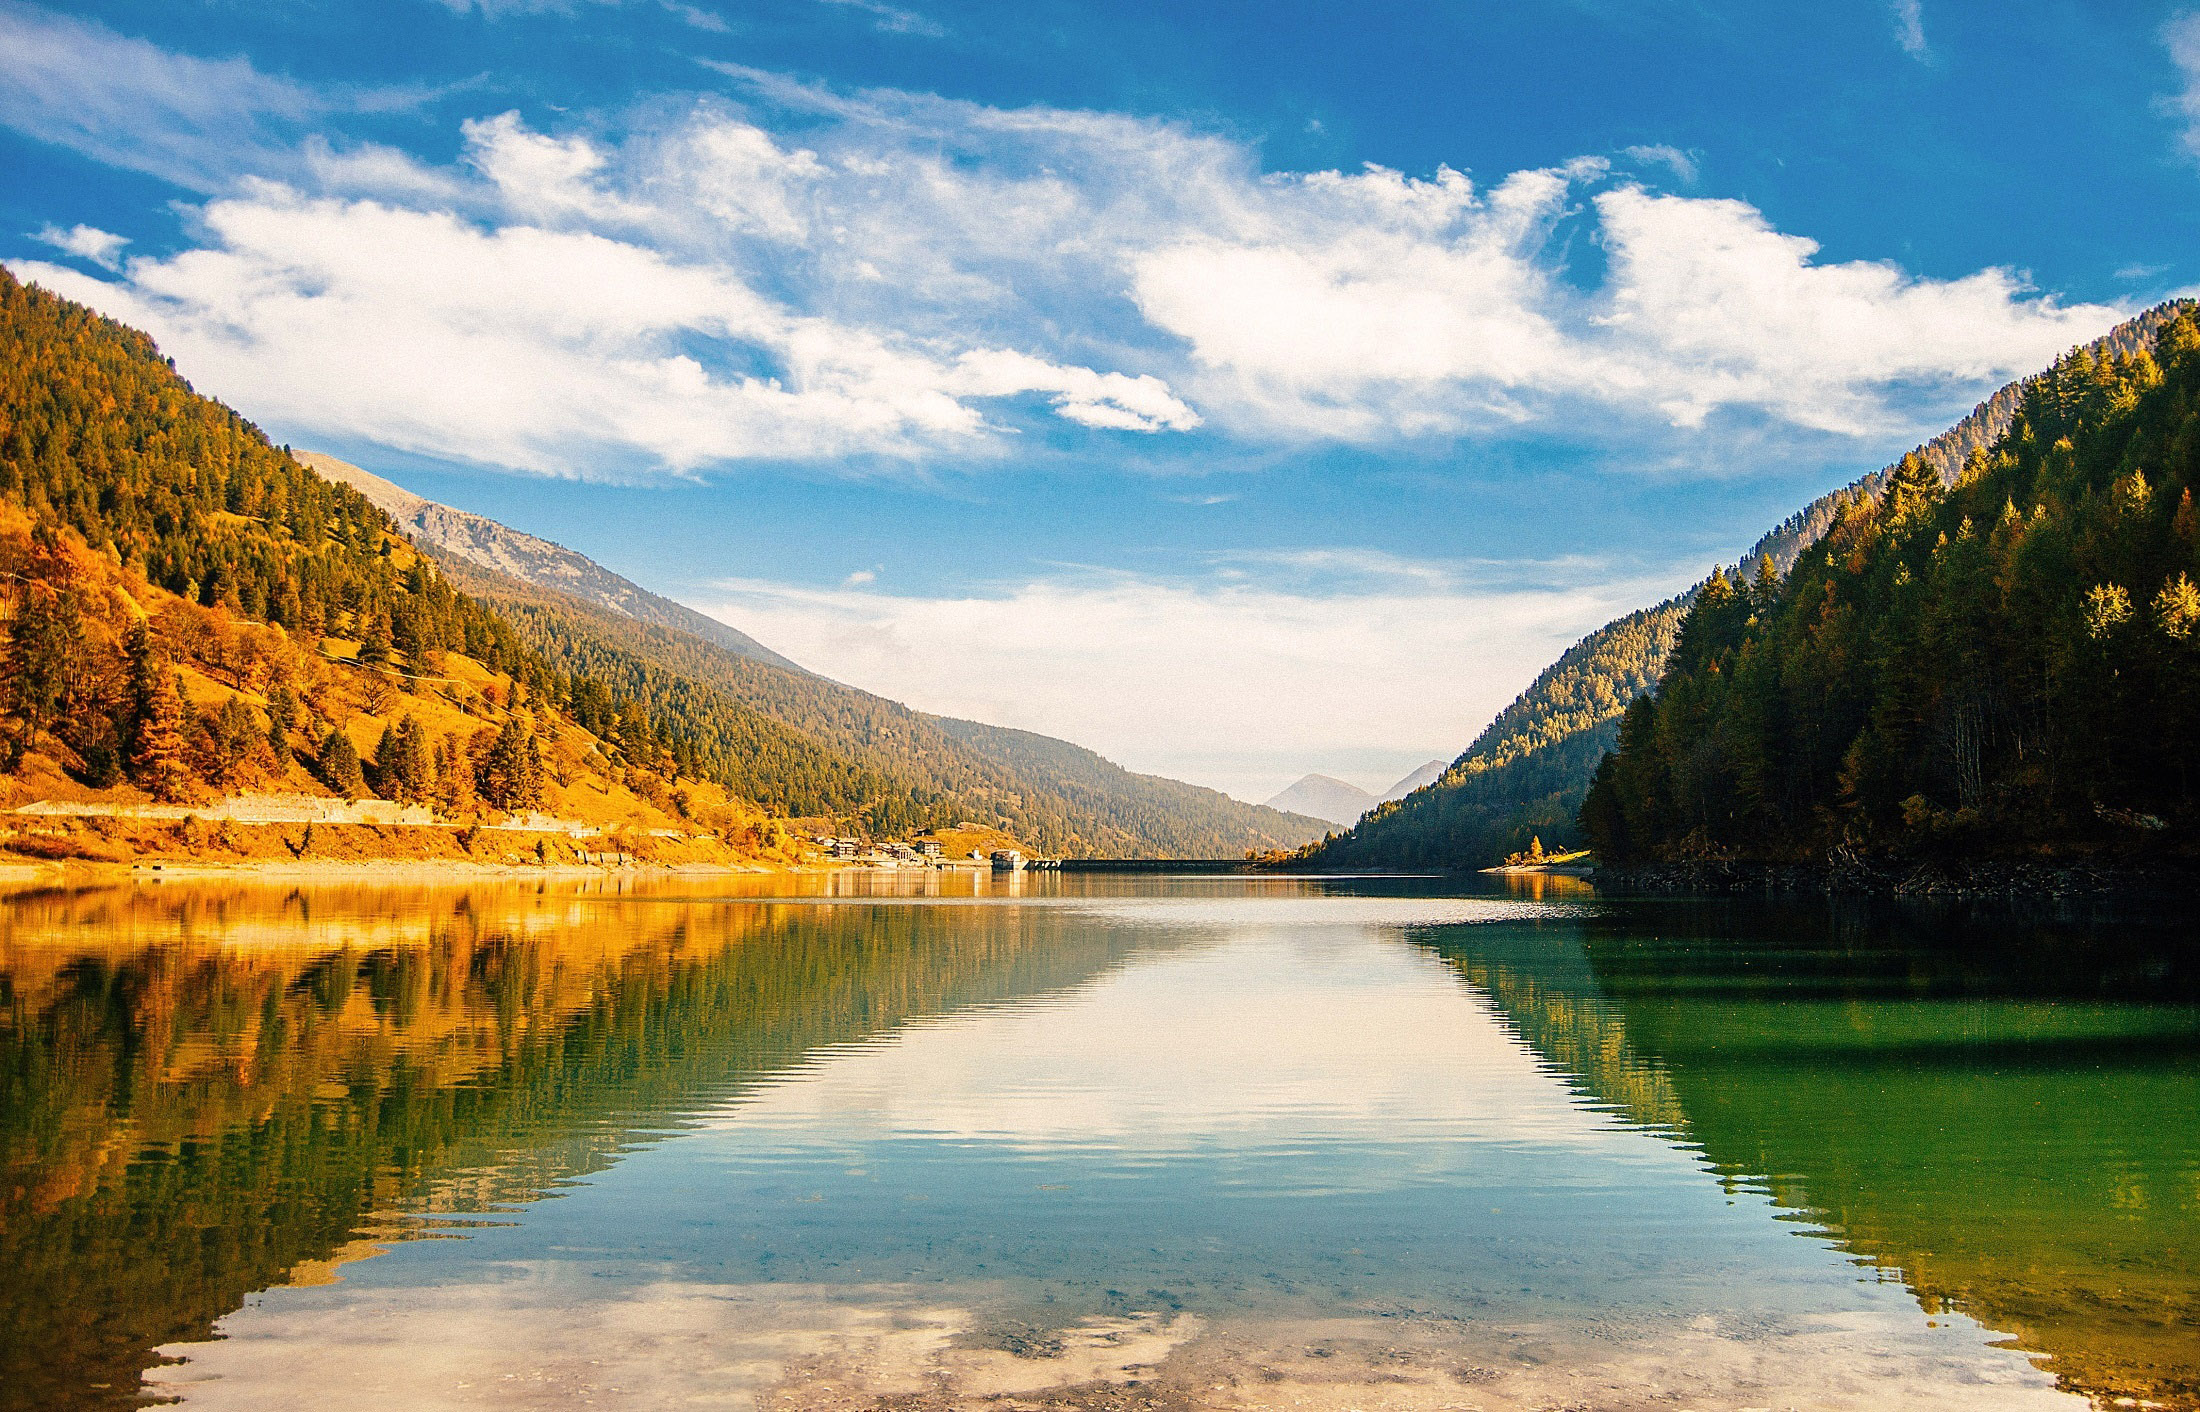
{"points": [[1528, 773], [192, 615], [1525, 774], [1949, 452], [1426, 774], [483, 542], [1325, 797], [189, 613], [922, 770], [2005, 665]]}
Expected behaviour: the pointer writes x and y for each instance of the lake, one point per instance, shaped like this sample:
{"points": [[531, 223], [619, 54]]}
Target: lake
{"points": [[1053, 1141]]}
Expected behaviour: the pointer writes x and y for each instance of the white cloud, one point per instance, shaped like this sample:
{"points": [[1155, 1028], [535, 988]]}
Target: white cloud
{"points": [[2182, 36], [554, 349], [1353, 661], [917, 274], [1909, 29], [892, 19], [101, 247], [1711, 307], [1681, 164], [499, 9], [131, 104]]}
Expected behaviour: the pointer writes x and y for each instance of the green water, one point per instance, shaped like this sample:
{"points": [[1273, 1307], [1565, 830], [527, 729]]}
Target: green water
{"points": [[1111, 1143]]}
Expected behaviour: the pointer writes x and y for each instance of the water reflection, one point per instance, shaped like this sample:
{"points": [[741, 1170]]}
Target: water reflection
{"points": [[1108, 1143], [2002, 1113], [211, 1089]]}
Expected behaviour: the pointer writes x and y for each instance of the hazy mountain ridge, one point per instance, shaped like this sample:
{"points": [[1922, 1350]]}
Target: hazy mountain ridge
{"points": [[1342, 802]]}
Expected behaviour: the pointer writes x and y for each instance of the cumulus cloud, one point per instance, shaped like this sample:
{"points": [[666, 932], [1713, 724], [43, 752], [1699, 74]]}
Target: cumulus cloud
{"points": [[694, 285], [101, 247], [1710, 307], [555, 350], [1348, 660]]}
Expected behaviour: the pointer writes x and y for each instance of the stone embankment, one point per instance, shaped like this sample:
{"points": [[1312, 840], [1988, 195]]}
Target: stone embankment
{"points": [[311, 809]]}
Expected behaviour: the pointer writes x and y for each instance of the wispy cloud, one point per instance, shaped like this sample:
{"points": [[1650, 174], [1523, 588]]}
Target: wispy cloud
{"points": [[694, 15], [1909, 29], [892, 19], [202, 124], [131, 104], [1681, 164], [2182, 37]]}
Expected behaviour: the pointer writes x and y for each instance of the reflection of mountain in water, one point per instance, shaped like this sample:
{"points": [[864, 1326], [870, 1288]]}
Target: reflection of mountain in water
{"points": [[2006, 1118], [207, 1091]]}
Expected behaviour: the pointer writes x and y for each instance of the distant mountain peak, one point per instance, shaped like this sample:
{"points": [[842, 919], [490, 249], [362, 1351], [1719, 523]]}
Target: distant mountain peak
{"points": [[487, 544], [1426, 774], [1327, 798]]}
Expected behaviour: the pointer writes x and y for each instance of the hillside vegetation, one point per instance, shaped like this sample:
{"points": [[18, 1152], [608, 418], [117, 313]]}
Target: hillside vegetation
{"points": [[2007, 664], [915, 770], [1526, 776], [191, 613]]}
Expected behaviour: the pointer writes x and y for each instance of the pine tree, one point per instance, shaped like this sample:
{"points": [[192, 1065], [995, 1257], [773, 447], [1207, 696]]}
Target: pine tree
{"points": [[282, 715], [339, 764], [1912, 487], [157, 760], [454, 775], [511, 770], [38, 664], [403, 769]]}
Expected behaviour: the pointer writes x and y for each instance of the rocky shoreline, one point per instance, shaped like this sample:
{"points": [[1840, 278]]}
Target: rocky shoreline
{"points": [[1856, 875]]}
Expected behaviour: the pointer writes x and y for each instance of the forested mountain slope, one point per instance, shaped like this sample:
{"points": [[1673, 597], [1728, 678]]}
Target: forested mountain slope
{"points": [[1949, 452], [1525, 775], [189, 613], [1528, 773], [2009, 664], [1057, 797]]}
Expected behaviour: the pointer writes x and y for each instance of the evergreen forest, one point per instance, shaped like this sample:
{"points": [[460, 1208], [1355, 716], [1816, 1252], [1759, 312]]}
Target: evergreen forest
{"points": [[2004, 664]]}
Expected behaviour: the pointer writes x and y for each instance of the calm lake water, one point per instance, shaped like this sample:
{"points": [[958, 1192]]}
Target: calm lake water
{"points": [[1088, 1143]]}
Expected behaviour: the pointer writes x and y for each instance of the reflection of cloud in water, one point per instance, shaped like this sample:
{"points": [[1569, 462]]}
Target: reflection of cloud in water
{"points": [[548, 1337], [1241, 1045]]}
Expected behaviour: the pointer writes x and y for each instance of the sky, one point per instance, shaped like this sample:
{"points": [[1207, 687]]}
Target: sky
{"points": [[1238, 389]]}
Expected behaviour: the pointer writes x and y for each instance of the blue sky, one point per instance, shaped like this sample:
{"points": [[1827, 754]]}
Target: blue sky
{"points": [[1240, 389]]}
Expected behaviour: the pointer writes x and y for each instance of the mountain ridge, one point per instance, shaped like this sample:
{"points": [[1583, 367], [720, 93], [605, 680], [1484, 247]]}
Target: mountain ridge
{"points": [[1528, 772], [494, 545], [1056, 795], [1342, 802]]}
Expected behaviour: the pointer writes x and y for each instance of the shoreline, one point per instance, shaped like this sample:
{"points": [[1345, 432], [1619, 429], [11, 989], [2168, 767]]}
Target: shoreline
{"points": [[16, 871], [1984, 879]]}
